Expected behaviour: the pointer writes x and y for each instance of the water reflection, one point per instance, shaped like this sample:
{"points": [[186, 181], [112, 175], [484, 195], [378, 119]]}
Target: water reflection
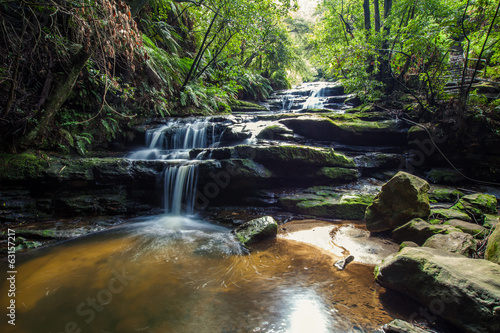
{"points": [[181, 275]]}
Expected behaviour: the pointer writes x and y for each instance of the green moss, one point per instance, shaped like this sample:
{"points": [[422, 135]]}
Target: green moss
{"points": [[303, 155], [445, 195], [376, 272], [246, 106], [338, 174], [22, 167]]}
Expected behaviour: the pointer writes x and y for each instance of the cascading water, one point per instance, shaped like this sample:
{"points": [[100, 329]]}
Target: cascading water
{"points": [[316, 99], [173, 142], [179, 188]]}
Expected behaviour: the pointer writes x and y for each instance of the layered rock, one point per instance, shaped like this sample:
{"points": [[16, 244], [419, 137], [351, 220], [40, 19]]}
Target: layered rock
{"points": [[464, 291], [400, 200], [328, 203]]}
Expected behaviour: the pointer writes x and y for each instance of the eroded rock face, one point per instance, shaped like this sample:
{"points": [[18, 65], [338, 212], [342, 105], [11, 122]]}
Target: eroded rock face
{"points": [[464, 291], [401, 199], [255, 230]]}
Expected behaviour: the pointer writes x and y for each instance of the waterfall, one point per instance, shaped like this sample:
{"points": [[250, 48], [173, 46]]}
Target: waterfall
{"points": [[287, 101], [315, 99], [179, 188], [173, 142]]}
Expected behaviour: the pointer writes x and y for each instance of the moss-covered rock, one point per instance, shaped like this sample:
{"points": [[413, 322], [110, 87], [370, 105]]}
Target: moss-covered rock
{"points": [[275, 132], [256, 230], [466, 291], [294, 154], [244, 106], [445, 195], [454, 242], [444, 214], [418, 231], [400, 200], [337, 175], [22, 167], [331, 205], [444, 176], [477, 205], [492, 252], [354, 131], [407, 244]]}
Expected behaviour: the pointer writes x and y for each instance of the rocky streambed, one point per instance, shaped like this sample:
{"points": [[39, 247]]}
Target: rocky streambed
{"points": [[306, 155]]}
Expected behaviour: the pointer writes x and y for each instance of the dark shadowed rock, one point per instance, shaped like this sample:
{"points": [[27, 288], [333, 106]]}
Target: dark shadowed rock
{"points": [[400, 200]]}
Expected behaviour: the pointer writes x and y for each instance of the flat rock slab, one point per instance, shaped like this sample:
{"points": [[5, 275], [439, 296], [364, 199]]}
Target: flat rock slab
{"points": [[464, 291]]}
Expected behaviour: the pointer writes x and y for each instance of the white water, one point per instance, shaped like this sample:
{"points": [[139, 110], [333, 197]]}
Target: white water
{"points": [[179, 188], [316, 100], [173, 142]]}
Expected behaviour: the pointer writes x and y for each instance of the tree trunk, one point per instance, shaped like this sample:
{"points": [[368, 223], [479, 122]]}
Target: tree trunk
{"points": [[366, 11], [377, 15], [387, 8], [63, 86]]}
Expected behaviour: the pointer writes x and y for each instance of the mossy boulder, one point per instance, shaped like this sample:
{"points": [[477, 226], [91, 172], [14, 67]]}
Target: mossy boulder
{"points": [[492, 252], [454, 242], [464, 291], [275, 132], [418, 231], [477, 205], [473, 229], [331, 205], [403, 198], [445, 195], [256, 230]]}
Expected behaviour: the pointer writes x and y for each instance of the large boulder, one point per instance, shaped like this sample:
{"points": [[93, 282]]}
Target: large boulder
{"points": [[493, 246], [418, 231], [455, 242], [400, 200], [256, 230], [464, 291]]}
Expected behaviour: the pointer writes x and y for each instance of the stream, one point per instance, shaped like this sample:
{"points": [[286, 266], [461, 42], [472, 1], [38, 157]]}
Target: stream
{"points": [[182, 271]]}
